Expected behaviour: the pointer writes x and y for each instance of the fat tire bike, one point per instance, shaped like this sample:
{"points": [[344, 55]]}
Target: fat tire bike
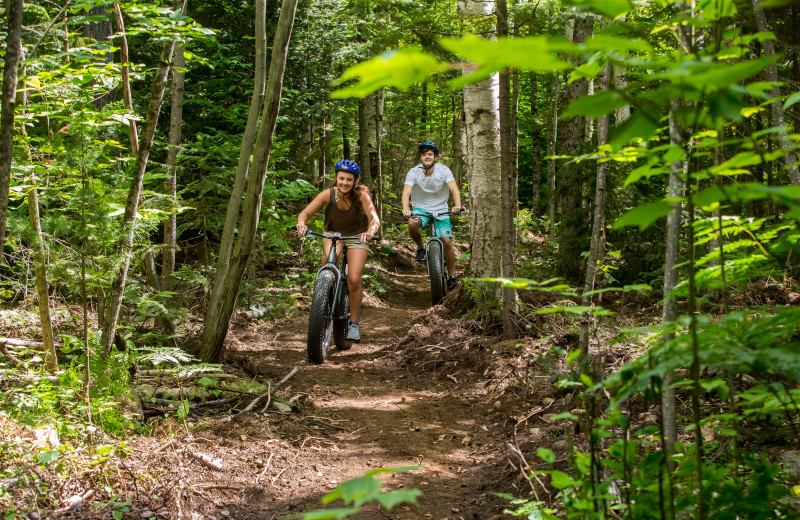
{"points": [[434, 257], [330, 303]]}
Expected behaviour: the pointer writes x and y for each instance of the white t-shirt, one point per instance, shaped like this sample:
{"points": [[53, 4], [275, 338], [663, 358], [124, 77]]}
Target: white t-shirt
{"points": [[430, 193]]}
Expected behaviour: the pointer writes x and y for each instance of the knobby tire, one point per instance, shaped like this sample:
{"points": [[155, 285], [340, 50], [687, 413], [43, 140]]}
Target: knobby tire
{"points": [[319, 322], [341, 317], [438, 287]]}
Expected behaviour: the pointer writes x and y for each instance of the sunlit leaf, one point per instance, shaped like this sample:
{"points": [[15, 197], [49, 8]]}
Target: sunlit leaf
{"points": [[398, 68], [644, 216], [640, 125], [791, 100], [608, 8]]}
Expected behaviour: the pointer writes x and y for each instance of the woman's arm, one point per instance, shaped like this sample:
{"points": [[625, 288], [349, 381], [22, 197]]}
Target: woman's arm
{"points": [[315, 205], [372, 214]]}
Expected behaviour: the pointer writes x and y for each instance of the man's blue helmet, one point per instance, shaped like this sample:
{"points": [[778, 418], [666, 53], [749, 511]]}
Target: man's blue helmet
{"points": [[346, 165], [428, 145]]}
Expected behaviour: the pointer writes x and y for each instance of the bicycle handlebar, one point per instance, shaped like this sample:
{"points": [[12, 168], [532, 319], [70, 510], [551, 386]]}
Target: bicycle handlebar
{"points": [[337, 236]]}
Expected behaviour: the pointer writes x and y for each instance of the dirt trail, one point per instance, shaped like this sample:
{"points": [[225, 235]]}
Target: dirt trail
{"points": [[393, 400]]}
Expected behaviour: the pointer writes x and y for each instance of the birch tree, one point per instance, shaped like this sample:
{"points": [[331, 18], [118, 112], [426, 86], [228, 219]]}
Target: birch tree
{"points": [[482, 128]]}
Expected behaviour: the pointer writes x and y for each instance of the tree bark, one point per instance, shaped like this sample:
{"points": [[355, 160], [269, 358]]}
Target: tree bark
{"points": [[777, 107], [370, 115], [125, 242], [9, 103], [215, 302], [126, 78], [572, 237], [507, 182], [171, 183], [218, 316], [551, 163], [41, 283], [596, 245], [481, 121], [536, 144]]}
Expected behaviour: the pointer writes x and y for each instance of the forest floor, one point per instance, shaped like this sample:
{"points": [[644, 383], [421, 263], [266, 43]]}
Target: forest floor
{"points": [[422, 389]]}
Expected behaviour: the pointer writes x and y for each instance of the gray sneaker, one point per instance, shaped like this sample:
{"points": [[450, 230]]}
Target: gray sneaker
{"points": [[352, 333]]}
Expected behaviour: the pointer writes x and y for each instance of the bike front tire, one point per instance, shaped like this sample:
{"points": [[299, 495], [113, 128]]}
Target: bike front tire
{"points": [[341, 317], [320, 323], [438, 287]]}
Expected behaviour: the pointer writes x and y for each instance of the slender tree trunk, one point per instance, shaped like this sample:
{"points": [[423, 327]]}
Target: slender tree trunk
{"points": [[218, 316], [125, 242], [481, 120], [551, 163], [458, 139], [672, 256], [777, 107], [572, 236], [215, 302], [536, 144], [171, 183], [41, 282], [9, 103], [126, 79], [507, 182], [370, 114], [596, 246]]}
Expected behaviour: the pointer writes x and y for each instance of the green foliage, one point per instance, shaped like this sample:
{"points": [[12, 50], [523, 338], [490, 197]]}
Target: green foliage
{"points": [[357, 492]]}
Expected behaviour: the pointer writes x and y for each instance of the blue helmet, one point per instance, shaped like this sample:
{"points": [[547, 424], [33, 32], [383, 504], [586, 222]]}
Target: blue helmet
{"points": [[346, 165], [428, 145]]}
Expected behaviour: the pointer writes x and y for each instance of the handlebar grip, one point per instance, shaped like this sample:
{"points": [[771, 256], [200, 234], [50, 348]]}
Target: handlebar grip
{"points": [[376, 238], [293, 228]]}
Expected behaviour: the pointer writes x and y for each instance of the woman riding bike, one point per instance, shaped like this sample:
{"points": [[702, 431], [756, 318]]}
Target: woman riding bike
{"points": [[350, 212]]}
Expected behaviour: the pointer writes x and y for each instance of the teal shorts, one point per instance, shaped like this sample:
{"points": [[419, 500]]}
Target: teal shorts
{"points": [[442, 224]]}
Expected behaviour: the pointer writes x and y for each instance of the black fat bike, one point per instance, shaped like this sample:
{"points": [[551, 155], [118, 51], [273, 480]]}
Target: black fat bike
{"points": [[434, 257], [330, 303]]}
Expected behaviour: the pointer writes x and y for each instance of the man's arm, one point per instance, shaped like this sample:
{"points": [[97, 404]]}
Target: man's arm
{"points": [[406, 199], [453, 185]]}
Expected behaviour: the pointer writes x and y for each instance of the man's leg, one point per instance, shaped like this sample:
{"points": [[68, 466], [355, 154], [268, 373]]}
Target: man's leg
{"points": [[414, 232], [449, 256]]}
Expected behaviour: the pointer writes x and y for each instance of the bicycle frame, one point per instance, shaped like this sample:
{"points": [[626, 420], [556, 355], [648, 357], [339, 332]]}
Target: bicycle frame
{"points": [[330, 264], [434, 236]]}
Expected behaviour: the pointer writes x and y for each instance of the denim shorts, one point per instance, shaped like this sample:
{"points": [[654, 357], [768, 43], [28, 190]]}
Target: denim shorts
{"points": [[442, 224]]}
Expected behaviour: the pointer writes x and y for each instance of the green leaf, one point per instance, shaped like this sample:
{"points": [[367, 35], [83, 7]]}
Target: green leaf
{"points": [[644, 216], [546, 455], [645, 172], [400, 496], [49, 456], [595, 106], [560, 480], [183, 410], [534, 53], [350, 490], [791, 100], [398, 68], [208, 381], [639, 125], [608, 8]]}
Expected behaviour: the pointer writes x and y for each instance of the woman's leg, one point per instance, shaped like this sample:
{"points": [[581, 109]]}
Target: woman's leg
{"points": [[326, 247], [356, 258]]}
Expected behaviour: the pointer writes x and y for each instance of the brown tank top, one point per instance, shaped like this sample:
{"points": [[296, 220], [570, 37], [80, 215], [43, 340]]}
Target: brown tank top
{"points": [[350, 222]]}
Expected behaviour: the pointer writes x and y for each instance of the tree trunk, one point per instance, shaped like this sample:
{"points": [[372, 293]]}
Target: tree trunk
{"points": [[125, 242], [507, 182], [41, 282], [572, 237], [596, 246], [672, 256], [536, 144], [777, 107], [171, 183], [9, 103], [458, 139], [481, 120], [551, 163], [215, 302], [370, 115], [218, 315], [126, 79]]}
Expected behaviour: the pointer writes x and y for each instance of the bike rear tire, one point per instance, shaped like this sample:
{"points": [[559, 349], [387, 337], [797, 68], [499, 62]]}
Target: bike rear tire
{"points": [[319, 322], [438, 286], [341, 317]]}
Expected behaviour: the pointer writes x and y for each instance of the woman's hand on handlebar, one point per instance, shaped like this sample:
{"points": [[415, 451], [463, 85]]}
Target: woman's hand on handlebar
{"points": [[301, 229]]}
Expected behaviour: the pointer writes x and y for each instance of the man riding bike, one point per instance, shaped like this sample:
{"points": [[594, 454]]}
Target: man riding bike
{"points": [[426, 188]]}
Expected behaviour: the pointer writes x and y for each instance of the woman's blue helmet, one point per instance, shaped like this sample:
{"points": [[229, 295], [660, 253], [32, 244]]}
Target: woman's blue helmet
{"points": [[346, 165], [428, 145]]}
